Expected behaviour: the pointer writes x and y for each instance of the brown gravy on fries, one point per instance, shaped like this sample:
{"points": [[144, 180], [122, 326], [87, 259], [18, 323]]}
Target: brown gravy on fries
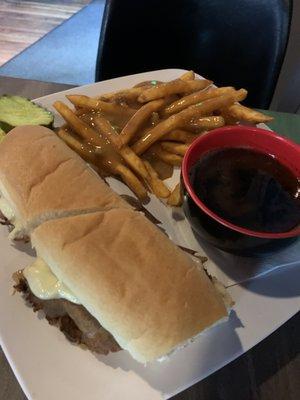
{"points": [[140, 133], [118, 122], [106, 150], [147, 83], [163, 169]]}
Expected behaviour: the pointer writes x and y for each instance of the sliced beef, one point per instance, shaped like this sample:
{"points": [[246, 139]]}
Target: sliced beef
{"points": [[77, 324], [4, 220]]}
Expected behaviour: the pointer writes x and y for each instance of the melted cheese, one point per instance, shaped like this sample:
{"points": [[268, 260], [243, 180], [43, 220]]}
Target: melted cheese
{"points": [[44, 284]]}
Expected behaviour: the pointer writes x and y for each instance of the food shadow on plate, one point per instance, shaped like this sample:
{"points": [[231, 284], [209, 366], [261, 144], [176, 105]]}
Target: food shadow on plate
{"points": [[24, 247], [243, 269], [271, 286], [202, 356]]}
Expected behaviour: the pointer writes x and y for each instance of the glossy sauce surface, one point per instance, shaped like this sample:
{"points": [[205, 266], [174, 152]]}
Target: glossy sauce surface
{"points": [[118, 122], [248, 188]]}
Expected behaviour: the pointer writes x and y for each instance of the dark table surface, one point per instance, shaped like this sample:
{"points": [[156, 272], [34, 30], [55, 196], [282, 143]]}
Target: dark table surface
{"points": [[269, 371]]}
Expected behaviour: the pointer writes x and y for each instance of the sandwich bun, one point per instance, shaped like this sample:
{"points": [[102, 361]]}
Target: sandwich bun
{"points": [[41, 178]]}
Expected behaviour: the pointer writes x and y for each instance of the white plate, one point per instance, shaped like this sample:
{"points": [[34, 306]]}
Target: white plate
{"points": [[48, 367]]}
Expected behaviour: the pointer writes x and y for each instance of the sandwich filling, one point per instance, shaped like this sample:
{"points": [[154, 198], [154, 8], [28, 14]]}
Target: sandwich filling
{"points": [[45, 285], [43, 291], [8, 217]]}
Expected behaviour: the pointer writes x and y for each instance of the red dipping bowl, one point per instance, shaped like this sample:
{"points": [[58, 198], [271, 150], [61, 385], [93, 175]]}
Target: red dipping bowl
{"points": [[211, 227]]}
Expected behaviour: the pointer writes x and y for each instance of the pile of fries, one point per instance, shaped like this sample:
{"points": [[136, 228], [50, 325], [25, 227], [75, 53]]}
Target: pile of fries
{"points": [[121, 133]]}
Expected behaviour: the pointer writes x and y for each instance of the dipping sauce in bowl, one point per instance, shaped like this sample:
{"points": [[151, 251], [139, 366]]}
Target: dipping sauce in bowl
{"points": [[248, 188], [241, 189]]}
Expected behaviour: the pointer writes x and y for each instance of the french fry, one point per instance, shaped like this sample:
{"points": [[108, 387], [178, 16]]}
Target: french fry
{"points": [[129, 156], [157, 185], [175, 199], [88, 153], [229, 120], [138, 119], [147, 84], [109, 157], [179, 135], [134, 161], [180, 119], [85, 150], [242, 113], [195, 98], [132, 181], [107, 130], [82, 129], [169, 158], [154, 119], [95, 104], [92, 137], [163, 155], [175, 148], [188, 76], [206, 123], [128, 94], [173, 87]]}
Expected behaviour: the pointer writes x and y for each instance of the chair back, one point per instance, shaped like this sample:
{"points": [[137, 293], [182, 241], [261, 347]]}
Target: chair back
{"points": [[238, 43]]}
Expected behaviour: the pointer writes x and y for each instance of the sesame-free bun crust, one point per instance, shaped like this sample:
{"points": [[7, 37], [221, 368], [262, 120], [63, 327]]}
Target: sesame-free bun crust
{"points": [[140, 286], [42, 178]]}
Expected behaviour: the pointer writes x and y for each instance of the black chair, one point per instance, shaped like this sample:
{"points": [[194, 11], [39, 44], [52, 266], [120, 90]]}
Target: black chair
{"points": [[233, 42]]}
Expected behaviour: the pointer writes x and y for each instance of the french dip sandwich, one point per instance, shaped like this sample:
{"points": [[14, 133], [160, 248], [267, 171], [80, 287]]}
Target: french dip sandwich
{"points": [[104, 274]]}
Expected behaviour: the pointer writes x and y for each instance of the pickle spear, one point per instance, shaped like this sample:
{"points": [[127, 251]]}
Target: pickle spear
{"points": [[17, 111]]}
